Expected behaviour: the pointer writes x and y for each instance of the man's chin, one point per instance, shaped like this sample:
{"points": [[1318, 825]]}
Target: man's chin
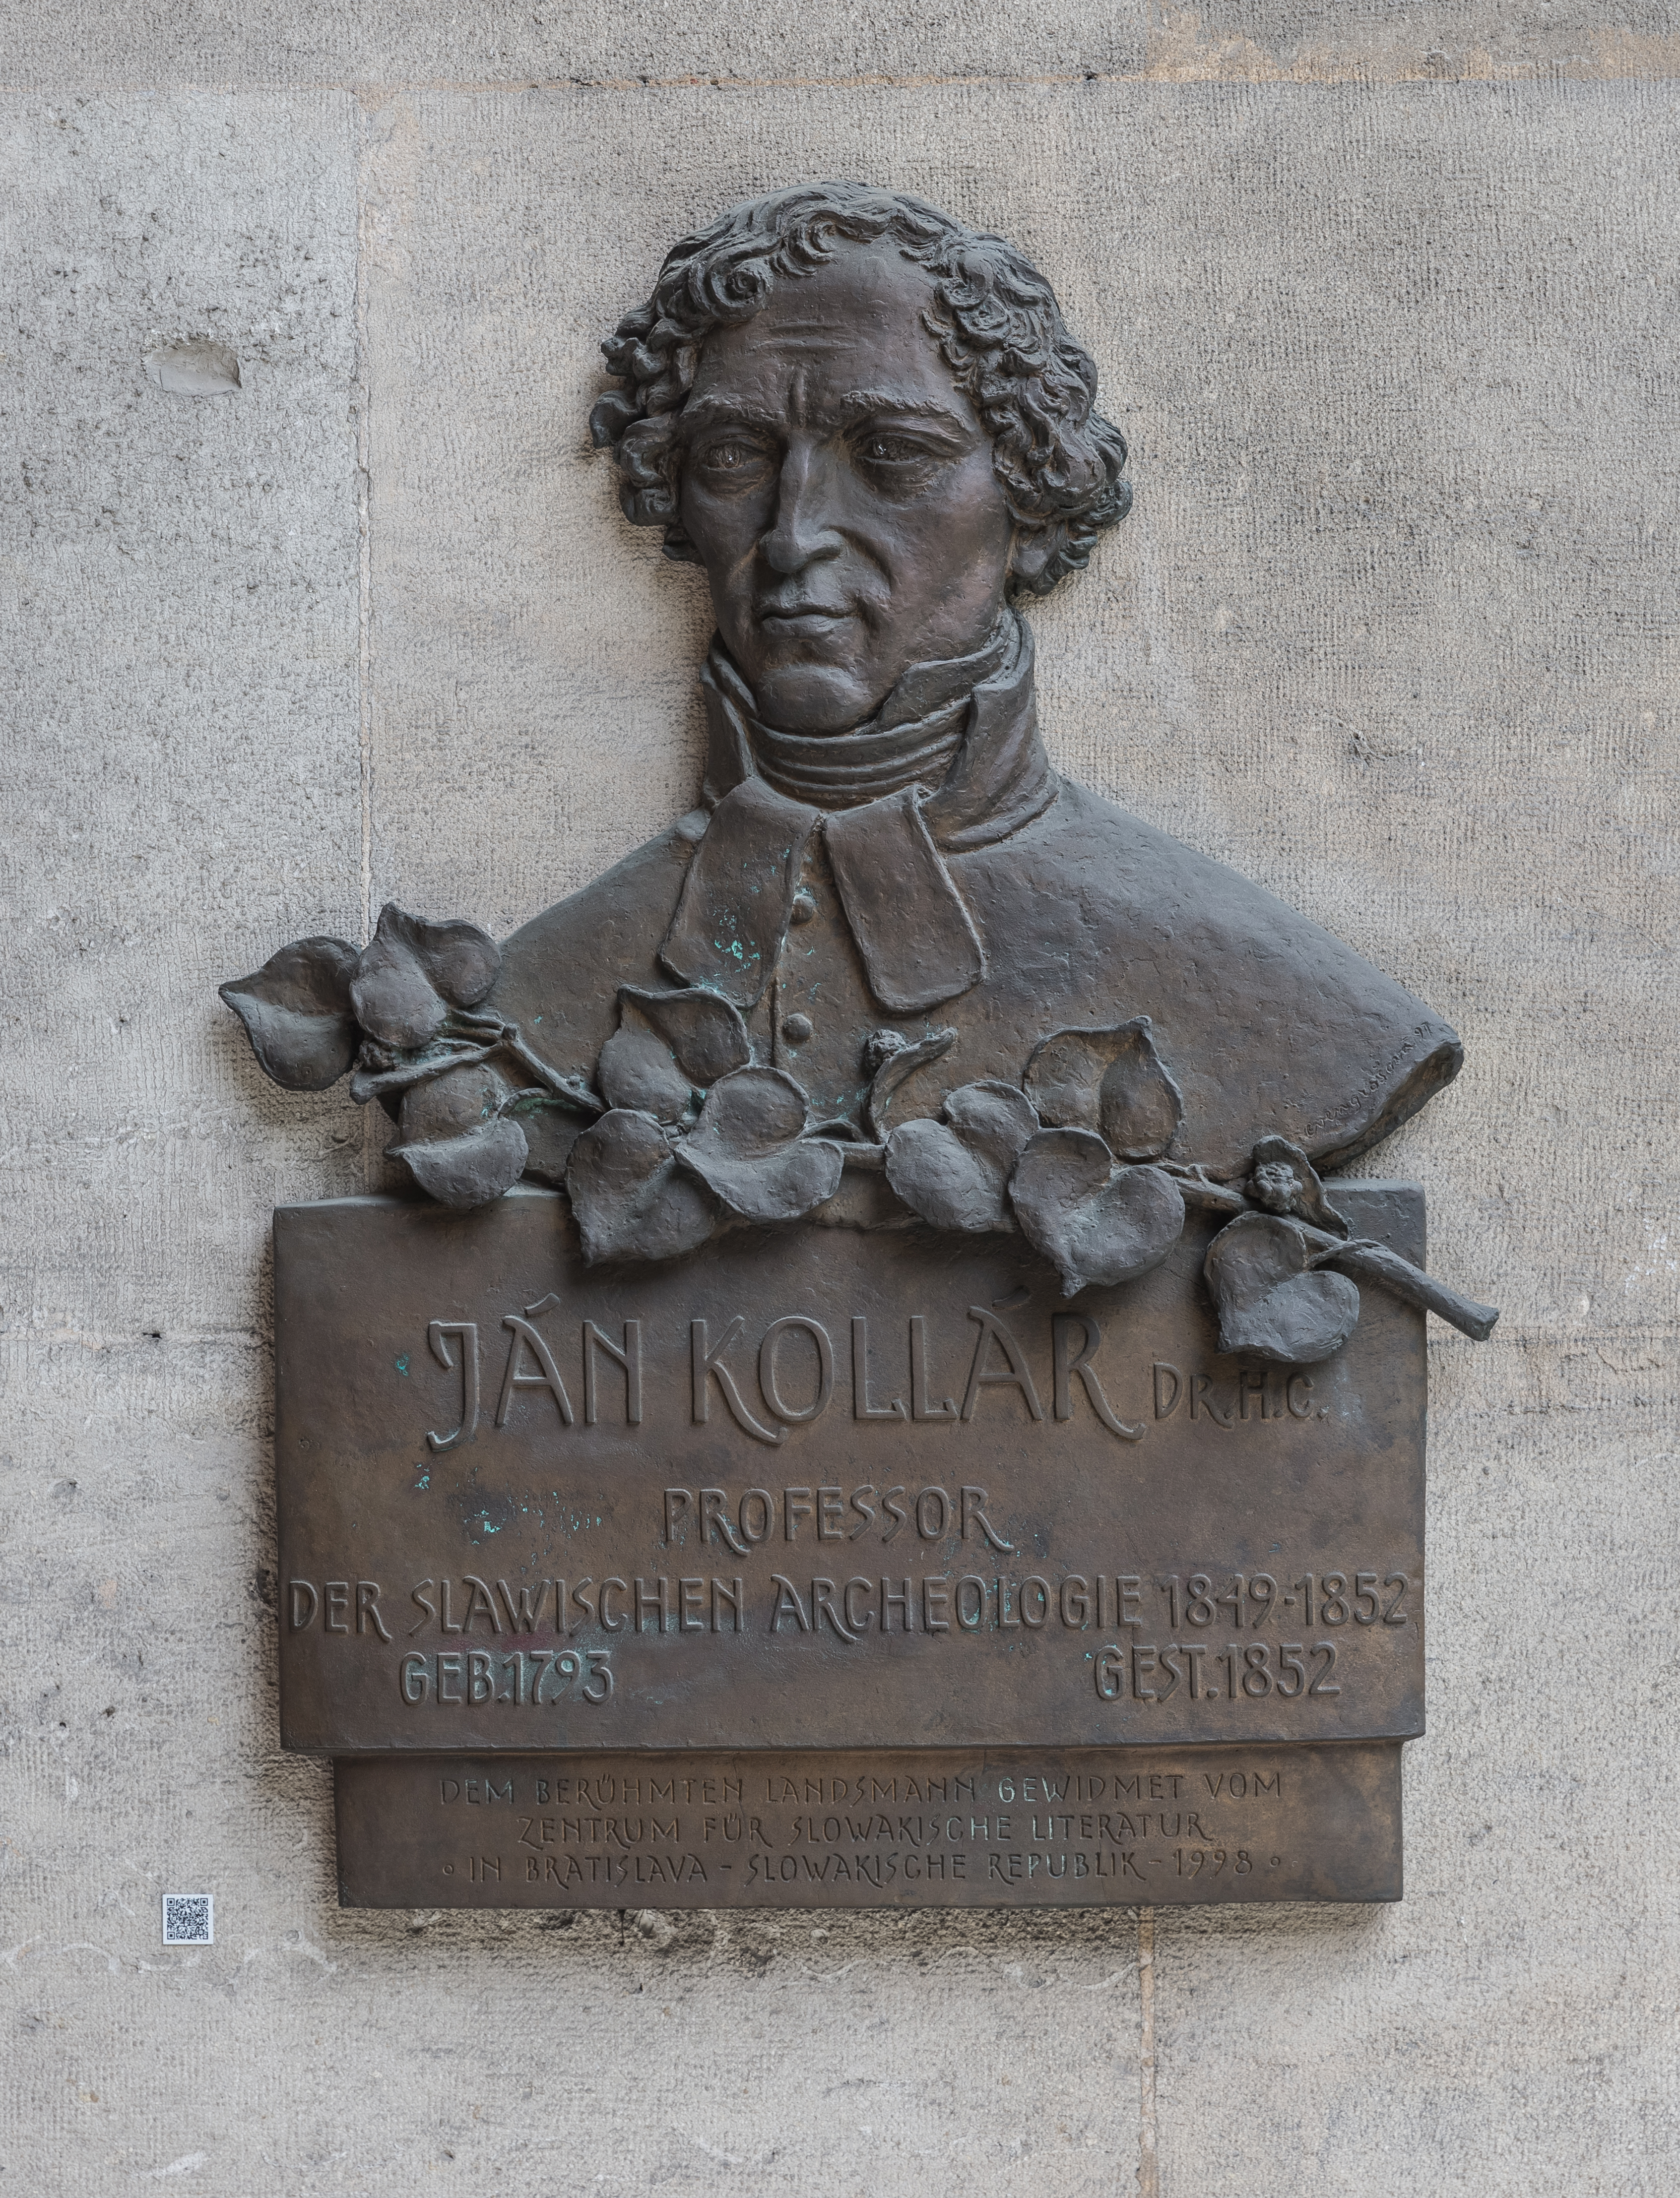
{"points": [[814, 699]]}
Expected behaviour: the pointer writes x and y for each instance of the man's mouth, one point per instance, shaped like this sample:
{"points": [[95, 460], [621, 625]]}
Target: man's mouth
{"points": [[803, 621]]}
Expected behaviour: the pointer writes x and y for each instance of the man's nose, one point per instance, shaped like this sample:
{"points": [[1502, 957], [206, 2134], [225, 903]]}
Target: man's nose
{"points": [[806, 531]]}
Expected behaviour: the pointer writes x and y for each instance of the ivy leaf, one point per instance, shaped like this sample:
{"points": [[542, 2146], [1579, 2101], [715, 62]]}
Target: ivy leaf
{"points": [[551, 1132], [412, 973], [955, 1173], [630, 1199], [1094, 1222], [468, 1170], [453, 1102], [1284, 1181], [1271, 1301], [460, 1146], [1111, 1081], [296, 1014], [749, 1147], [667, 1046]]}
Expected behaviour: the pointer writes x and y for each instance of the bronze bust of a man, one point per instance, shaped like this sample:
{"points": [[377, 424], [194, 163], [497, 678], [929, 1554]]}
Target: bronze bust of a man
{"points": [[873, 430], [892, 950]]}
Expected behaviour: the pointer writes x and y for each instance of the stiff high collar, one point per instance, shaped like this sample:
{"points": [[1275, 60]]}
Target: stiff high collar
{"points": [[985, 774], [912, 740], [952, 762]]}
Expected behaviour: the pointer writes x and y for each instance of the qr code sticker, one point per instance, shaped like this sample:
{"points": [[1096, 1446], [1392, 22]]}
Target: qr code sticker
{"points": [[188, 1919]]}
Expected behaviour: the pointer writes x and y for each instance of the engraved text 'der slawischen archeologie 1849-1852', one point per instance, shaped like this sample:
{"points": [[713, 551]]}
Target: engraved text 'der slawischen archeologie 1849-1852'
{"points": [[893, 974]]}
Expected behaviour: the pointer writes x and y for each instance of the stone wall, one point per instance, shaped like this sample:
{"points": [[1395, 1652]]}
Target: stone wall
{"points": [[1385, 301]]}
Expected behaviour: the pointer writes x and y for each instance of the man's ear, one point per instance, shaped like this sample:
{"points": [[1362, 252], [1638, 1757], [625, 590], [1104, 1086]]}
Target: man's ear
{"points": [[677, 546], [1033, 550]]}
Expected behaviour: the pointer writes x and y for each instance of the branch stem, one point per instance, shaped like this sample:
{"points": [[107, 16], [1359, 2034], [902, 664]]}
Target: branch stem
{"points": [[1363, 1260], [1368, 1262]]}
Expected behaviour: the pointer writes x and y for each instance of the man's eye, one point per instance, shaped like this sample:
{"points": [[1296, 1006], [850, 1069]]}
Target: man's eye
{"points": [[734, 458], [892, 450]]}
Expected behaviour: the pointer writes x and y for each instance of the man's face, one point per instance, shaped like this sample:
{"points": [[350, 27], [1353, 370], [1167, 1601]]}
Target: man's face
{"points": [[839, 488]]}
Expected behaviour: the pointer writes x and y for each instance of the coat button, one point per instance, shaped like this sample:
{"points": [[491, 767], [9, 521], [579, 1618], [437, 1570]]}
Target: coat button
{"points": [[796, 1029], [804, 908]]}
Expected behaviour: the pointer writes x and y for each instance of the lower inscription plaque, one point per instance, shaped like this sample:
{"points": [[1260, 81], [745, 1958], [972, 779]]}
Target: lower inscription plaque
{"points": [[928, 1828]]}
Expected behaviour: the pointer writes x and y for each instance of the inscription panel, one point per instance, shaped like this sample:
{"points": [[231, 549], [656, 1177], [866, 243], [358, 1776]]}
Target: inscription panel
{"points": [[939, 1829], [823, 1489]]}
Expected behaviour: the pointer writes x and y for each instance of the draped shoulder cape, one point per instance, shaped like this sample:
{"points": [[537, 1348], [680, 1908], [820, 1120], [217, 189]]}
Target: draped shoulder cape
{"points": [[930, 870]]}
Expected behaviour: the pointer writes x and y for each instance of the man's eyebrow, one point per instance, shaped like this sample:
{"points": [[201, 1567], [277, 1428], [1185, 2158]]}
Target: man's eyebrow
{"points": [[867, 404], [718, 410], [715, 409]]}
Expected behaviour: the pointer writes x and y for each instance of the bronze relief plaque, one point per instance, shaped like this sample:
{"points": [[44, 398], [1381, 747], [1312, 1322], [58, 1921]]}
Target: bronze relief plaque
{"points": [[880, 1320]]}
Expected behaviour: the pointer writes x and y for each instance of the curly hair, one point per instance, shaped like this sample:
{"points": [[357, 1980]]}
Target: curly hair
{"points": [[994, 316]]}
